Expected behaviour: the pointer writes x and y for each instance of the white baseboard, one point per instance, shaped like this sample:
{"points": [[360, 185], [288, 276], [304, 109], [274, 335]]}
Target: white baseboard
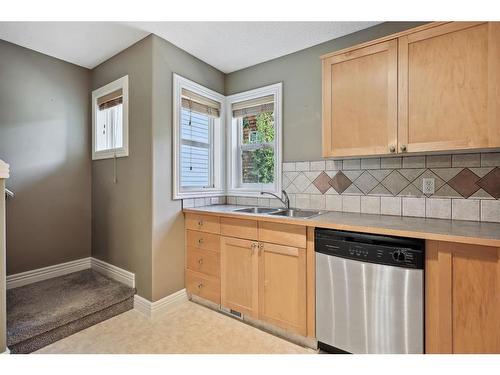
{"points": [[113, 272], [152, 309], [40, 274]]}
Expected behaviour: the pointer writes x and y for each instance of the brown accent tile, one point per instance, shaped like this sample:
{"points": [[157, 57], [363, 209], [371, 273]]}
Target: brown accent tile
{"points": [[465, 183], [322, 182], [491, 183], [340, 182]]}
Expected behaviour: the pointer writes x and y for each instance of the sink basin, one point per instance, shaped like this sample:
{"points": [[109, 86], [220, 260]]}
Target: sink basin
{"points": [[257, 210], [304, 214]]}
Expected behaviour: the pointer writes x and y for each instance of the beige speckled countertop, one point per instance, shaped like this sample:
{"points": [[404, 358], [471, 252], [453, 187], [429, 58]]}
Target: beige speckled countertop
{"points": [[470, 232]]}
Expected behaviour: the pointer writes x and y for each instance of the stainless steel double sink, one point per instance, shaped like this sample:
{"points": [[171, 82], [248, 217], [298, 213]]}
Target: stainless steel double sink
{"points": [[287, 212]]}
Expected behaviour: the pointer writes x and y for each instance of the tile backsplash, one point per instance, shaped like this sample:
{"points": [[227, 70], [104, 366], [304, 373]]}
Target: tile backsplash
{"points": [[466, 186]]}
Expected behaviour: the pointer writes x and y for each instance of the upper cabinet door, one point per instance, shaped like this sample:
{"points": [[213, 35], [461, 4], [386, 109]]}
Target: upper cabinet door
{"points": [[449, 91], [360, 101]]}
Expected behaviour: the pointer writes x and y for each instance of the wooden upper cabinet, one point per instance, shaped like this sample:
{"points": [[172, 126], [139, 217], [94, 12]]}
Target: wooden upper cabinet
{"points": [[449, 87], [360, 101], [239, 275]]}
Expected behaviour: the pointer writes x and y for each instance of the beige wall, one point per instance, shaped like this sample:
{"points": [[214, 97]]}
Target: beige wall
{"points": [[45, 136], [168, 221], [122, 212], [300, 73]]}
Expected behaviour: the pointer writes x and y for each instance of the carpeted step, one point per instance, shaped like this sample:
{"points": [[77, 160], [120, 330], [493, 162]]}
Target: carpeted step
{"points": [[42, 313]]}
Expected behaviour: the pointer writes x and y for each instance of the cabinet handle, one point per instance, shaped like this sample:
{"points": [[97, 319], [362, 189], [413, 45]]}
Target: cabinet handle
{"points": [[200, 261], [403, 148], [200, 241], [200, 223], [200, 285], [392, 149]]}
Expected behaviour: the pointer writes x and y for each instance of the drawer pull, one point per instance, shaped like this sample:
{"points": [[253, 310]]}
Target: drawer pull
{"points": [[200, 223], [200, 261], [200, 285], [200, 241]]}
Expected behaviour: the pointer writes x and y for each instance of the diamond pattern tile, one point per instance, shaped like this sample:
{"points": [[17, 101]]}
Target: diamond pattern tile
{"points": [[395, 182], [491, 183], [366, 182], [340, 182], [438, 182], [465, 183], [322, 182]]}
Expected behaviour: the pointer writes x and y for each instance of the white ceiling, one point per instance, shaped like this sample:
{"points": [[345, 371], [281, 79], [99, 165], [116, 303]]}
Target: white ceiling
{"points": [[228, 46]]}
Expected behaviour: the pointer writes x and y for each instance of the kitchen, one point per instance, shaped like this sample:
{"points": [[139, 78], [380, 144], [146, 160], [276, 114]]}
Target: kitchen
{"points": [[335, 191]]}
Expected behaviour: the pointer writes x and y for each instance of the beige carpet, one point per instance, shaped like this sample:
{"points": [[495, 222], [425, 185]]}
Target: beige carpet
{"points": [[188, 328]]}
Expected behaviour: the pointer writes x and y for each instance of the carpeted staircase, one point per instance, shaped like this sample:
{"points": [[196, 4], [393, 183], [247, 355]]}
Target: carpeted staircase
{"points": [[42, 313]]}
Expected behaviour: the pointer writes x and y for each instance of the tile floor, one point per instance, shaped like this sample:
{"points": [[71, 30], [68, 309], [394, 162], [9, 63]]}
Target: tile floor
{"points": [[188, 328]]}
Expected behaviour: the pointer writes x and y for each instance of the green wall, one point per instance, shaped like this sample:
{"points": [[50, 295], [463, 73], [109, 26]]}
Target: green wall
{"points": [[45, 137], [300, 73]]}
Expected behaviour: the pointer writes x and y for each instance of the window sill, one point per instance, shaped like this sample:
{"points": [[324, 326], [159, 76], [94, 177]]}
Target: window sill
{"points": [[199, 194], [109, 154]]}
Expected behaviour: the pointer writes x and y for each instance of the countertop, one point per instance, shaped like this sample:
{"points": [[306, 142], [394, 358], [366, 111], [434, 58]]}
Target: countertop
{"points": [[470, 232]]}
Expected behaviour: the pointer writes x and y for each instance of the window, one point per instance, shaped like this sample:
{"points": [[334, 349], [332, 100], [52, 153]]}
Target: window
{"points": [[110, 120], [254, 141], [197, 140]]}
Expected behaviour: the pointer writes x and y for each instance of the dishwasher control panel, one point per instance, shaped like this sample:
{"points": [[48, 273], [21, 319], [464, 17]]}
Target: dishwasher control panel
{"points": [[393, 251]]}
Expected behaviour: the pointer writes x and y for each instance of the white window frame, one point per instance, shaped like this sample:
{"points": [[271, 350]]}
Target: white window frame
{"points": [[217, 138], [120, 83], [234, 185]]}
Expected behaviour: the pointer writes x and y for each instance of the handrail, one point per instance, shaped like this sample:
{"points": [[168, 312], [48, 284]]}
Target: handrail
{"points": [[9, 193]]}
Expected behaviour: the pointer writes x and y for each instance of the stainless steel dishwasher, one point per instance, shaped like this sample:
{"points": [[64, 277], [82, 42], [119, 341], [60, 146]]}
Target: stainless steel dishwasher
{"points": [[369, 293]]}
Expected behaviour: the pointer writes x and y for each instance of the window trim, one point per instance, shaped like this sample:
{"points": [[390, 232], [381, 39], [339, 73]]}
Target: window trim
{"points": [[233, 174], [178, 192], [120, 83]]}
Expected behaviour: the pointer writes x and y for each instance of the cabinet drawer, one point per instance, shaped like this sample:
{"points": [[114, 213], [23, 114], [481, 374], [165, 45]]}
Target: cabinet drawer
{"points": [[203, 261], [282, 234], [239, 228], [202, 240], [203, 286], [203, 223]]}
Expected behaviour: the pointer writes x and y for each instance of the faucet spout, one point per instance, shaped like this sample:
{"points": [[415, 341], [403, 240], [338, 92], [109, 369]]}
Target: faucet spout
{"points": [[283, 199]]}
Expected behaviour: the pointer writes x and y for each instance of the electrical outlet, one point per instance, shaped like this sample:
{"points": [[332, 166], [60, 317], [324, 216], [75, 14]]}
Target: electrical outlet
{"points": [[428, 185]]}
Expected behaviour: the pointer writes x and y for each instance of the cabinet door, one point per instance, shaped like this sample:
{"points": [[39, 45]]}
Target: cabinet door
{"points": [[449, 87], [282, 286], [360, 101], [462, 298], [239, 275]]}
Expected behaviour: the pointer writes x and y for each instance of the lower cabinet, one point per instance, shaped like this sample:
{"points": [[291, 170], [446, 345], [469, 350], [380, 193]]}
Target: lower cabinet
{"points": [[239, 275], [282, 286], [462, 298], [265, 281]]}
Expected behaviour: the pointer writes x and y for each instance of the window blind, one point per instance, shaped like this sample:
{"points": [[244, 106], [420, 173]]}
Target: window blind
{"points": [[110, 100], [253, 107], [195, 149], [200, 104]]}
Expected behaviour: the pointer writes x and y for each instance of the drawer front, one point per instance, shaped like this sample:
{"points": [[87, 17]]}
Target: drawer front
{"points": [[203, 286], [203, 223], [203, 261], [240, 228], [202, 240], [283, 234]]}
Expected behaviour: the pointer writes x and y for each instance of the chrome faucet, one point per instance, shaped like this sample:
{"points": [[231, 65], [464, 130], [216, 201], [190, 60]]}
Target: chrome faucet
{"points": [[283, 199]]}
